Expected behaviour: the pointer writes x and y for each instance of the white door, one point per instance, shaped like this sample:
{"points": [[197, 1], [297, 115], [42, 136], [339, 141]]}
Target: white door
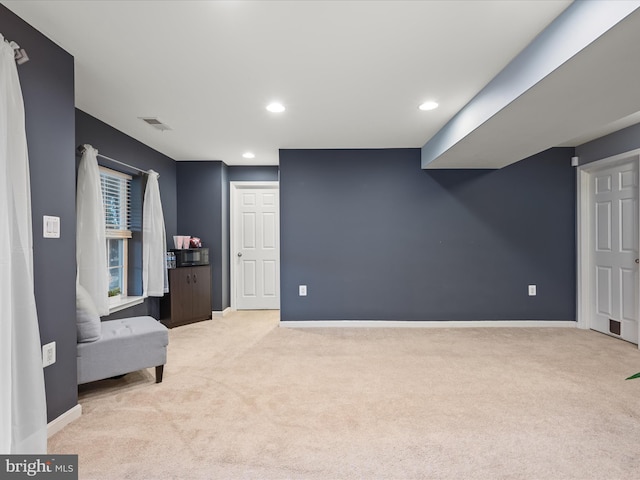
{"points": [[615, 242], [255, 247]]}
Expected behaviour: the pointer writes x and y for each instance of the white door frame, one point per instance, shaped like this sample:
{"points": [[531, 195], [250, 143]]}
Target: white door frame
{"points": [[233, 217], [585, 261]]}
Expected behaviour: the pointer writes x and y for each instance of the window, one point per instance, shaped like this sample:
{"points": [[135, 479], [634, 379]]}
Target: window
{"points": [[116, 196]]}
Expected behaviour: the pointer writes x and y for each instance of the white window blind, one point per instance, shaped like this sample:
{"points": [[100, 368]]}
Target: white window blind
{"points": [[116, 196]]}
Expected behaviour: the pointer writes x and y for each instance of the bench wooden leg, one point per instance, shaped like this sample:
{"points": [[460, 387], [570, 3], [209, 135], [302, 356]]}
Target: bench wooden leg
{"points": [[159, 371]]}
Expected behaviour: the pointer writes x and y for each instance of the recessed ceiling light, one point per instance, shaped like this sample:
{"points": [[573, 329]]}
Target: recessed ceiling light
{"points": [[428, 106], [248, 155], [275, 107]]}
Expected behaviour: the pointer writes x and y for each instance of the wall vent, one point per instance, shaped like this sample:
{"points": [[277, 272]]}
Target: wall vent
{"points": [[155, 123]]}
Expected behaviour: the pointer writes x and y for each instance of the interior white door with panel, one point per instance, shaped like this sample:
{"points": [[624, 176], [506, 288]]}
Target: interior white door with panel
{"points": [[255, 245], [614, 240]]}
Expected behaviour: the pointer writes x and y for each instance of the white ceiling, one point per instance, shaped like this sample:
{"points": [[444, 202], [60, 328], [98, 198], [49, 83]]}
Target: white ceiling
{"points": [[590, 94], [350, 73]]}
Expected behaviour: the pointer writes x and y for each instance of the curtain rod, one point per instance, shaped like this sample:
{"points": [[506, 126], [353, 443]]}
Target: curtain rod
{"points": [[146, 172], [19, 54]]}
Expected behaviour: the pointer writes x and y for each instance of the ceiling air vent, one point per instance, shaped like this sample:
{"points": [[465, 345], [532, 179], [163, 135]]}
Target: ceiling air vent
{"points": [[155, 123]]}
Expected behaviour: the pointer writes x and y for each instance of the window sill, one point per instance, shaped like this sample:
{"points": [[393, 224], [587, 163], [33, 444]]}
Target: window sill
{"points": [[124, 302]]}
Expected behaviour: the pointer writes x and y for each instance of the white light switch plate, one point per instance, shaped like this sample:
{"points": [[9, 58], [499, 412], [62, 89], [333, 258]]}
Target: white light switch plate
{"points": [[532, 290], [50, 227], [302, 290]]}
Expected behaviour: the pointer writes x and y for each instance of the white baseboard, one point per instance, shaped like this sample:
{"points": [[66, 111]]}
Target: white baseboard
{"points": [[428, 324], [220, 314], [63, 420]]}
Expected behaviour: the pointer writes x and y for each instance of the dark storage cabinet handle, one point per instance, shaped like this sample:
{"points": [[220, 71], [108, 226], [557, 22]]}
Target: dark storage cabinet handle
{"points": [[195, 278], [188, 278]]}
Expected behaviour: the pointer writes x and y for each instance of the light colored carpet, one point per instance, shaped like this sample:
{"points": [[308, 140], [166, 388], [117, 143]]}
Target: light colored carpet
{"points": [[243, 398]]}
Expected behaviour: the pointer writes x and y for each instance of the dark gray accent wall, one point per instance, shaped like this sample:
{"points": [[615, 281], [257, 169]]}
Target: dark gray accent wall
{"points": [[374, 237], [267, 173], [200, 187], [48, 90], [119, 146], [225, 266], [621, 141]]}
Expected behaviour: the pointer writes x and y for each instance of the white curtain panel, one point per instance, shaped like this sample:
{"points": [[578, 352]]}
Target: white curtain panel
{"points": [[91, 246], [154, 241], [23, 412]]}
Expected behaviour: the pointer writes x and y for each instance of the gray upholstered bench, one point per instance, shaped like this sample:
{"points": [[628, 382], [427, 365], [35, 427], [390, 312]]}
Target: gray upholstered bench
{"points": [[124, 346]]}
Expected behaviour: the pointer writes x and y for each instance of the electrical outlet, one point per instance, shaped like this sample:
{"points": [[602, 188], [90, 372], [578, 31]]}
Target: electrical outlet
{"points": [[302, 290], [532, 290], [48, 354]]}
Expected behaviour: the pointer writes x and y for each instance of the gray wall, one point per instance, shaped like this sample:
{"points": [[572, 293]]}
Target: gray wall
{"points": [[119, 146], [200, 187], [621, 141], [225, 274], [253, 174], [374, 237], [48, 91]]}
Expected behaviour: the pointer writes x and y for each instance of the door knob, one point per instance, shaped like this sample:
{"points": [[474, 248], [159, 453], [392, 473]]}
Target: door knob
{"points": [[239, 254], [637, 260]]}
